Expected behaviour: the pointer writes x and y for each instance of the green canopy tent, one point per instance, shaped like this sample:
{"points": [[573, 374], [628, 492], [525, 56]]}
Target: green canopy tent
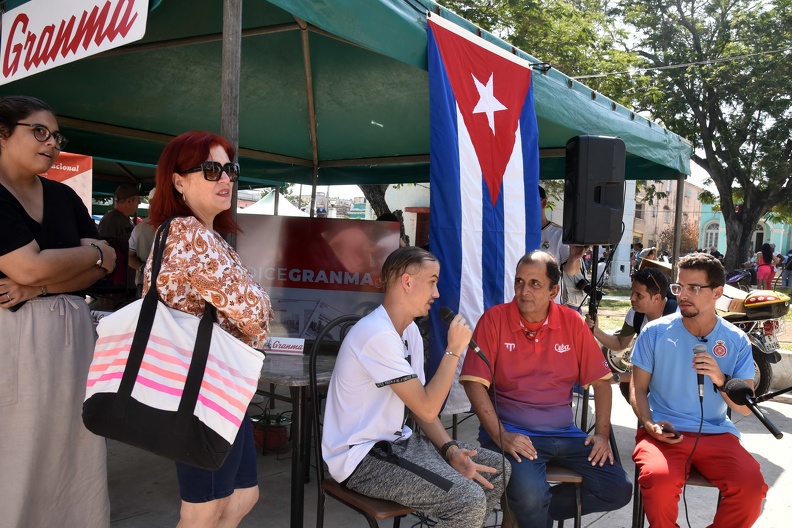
{"points": [[331, 92]]}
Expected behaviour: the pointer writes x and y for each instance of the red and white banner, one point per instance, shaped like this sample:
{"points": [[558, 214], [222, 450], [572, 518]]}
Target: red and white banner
{"points": [[315, 269], [42, 34], [76, 171]]}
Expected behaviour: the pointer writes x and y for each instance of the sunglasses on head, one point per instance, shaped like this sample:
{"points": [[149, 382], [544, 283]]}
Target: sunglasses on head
{"points": [[213, 170]]}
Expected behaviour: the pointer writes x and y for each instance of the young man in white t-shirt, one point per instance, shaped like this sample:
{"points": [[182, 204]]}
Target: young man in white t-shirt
{"points": [[378, 378]]}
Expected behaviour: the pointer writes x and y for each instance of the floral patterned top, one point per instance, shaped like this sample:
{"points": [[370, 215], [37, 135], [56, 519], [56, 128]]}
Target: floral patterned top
{"points": [[199, 266]]}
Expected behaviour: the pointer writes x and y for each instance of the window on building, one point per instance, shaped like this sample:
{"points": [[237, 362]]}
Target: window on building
{"points": [[639, 210], [711, 234]]}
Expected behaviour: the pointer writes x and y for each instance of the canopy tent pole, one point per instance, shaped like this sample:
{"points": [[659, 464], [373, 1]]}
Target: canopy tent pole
{"points": [[229, 95], [680, 200], [306, 52]]}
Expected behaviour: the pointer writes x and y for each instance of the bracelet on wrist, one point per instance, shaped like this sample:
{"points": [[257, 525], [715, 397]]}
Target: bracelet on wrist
{"points": [[101, 255], [447, 447], [449, 353]]}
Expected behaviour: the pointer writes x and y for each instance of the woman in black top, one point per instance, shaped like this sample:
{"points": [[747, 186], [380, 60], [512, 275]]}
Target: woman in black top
{"points": [[53, 470]]}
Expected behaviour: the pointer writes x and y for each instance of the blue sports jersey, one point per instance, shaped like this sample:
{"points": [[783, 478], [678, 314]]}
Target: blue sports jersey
{"points": [[665, 349]]}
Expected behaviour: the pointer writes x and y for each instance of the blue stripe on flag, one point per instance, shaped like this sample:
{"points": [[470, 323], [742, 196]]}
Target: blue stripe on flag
{"points": [[445, 222], [492, 247]]}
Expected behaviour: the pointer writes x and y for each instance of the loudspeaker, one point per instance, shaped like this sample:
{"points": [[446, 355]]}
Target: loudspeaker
{"points": [[594, 190]]}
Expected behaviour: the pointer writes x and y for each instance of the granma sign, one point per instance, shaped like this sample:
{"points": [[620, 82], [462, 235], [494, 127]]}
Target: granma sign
{"points": [[43, 34]]}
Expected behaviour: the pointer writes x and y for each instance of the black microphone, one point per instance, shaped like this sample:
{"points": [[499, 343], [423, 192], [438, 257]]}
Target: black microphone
{"points": [[700, 349], [740, 393], [447, 315]]}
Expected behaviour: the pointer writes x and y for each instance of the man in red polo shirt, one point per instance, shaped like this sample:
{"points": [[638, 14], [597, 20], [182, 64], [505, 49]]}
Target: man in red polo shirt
{"points": [[538, 350]]}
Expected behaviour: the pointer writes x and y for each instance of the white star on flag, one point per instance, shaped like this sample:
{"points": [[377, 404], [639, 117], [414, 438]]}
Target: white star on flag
{"points": [[487, 103]]}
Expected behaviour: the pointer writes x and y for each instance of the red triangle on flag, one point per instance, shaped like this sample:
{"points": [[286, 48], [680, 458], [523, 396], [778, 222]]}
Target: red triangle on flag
{"points": [[490, 91]]}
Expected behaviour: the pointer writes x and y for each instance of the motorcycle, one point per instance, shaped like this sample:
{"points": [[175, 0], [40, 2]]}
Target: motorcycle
{"points": [[762, 321]]}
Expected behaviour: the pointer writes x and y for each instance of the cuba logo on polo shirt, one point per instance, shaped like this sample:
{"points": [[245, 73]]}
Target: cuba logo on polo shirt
{"points": [[561, 348]]}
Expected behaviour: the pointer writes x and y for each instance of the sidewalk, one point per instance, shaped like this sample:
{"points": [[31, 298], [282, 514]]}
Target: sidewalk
{"points": [[144, 491]]}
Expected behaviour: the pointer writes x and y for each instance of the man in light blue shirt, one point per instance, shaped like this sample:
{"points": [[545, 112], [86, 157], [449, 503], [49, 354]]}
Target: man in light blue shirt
{"points": [[678, 427]]}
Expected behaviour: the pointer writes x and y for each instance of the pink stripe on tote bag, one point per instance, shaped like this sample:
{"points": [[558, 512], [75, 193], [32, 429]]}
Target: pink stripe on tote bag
{"points": [[169, 382]]}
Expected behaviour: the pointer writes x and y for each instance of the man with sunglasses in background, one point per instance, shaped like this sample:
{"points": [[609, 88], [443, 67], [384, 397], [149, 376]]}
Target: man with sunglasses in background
{"points": [[679, 428], [649, 301]]}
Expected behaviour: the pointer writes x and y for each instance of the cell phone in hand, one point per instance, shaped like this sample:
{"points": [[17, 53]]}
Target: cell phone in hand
{"points": [[670, 429]]}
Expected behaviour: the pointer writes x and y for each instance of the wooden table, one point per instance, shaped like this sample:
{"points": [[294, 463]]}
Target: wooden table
{"points": [[292, 371]]}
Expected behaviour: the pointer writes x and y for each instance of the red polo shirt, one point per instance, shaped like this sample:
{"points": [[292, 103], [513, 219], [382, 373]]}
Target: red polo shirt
{"points": [[534, 375]]}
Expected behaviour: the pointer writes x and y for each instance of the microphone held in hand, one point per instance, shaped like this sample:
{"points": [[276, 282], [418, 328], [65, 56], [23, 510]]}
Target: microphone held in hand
{"points": [[700, 349], [447, 315], [741, 393]]}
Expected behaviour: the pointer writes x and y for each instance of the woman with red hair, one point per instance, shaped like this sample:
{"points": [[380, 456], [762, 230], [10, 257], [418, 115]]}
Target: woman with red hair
{"points": [[195, 178]]}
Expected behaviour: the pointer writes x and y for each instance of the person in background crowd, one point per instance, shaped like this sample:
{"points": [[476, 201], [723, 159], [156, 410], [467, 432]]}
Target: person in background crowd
{"points": [[378, 380], [648, 302], [665, 397], [715, 253], [52, 469], [636, 258], [568, 257], [765, 267], [140, 242], [786, 275], [321, 212], [194, 181], [116, 225], [538, 350]]}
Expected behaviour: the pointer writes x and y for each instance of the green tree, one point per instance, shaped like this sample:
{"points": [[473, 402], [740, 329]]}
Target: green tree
{"points": [[577, 37], [731, 97]]}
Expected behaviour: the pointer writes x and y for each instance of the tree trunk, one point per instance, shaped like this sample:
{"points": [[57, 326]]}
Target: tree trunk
{"points": [[375, 195], [739, 237]]}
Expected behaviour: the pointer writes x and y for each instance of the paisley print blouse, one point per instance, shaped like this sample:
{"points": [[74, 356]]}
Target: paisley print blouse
{"points": [[199, 266]]}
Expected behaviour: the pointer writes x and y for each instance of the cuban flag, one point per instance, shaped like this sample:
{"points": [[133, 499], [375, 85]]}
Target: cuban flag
{"points": [[484, 176]]}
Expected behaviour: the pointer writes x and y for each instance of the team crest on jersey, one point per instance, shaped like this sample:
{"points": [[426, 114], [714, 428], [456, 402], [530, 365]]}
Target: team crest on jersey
{"points": [[719, 350]]}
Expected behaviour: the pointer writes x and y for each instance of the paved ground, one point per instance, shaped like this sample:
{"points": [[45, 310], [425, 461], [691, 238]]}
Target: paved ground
{"points": [[144, 491]]}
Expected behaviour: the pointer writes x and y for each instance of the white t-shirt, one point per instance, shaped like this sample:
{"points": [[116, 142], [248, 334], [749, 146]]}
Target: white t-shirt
{"points": [[551, 243], [361, 407]]}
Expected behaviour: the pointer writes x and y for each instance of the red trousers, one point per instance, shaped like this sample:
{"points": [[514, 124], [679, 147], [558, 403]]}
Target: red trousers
{"points": [[719, 457]]}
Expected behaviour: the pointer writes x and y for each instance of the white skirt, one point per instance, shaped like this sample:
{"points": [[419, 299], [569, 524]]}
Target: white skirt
{"points": [[53, 471]]}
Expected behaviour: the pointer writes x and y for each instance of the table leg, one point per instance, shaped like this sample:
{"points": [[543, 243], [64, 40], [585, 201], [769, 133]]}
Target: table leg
{"points": [[297, 478]]}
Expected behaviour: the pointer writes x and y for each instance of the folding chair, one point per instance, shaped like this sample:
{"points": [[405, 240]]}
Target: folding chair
{"points": [[372, 509]]}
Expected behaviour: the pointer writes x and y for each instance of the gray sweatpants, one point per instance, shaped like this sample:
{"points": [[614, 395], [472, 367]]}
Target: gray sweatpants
{"points": [[414, 474]]}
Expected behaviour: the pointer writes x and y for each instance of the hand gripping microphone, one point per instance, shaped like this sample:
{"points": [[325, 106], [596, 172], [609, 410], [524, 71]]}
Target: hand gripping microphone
{"points": [[700, 349], [740, 393], [447, 315]]}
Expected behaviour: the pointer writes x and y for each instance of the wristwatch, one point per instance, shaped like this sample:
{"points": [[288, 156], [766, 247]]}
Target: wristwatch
{"points": [[722, 388]]}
